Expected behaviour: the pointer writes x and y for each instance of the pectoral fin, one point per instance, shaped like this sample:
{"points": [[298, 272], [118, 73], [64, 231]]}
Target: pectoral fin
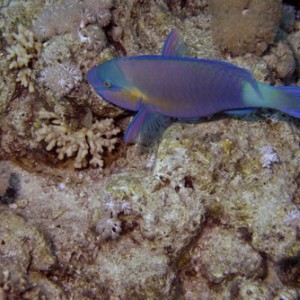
{"points": [[175, 46], [146, 126]]}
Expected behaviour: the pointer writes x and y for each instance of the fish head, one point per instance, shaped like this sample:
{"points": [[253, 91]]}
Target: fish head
{"points": [[110, 83]]}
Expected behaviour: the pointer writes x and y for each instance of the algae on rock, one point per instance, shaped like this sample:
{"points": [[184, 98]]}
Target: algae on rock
{"points": [[245, 26]]}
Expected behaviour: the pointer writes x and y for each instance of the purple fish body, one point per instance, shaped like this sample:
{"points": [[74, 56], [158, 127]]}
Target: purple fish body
{"points": [[160, 87], [186, 87]]}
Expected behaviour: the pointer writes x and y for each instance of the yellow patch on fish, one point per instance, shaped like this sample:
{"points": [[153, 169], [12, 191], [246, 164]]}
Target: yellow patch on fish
{"points": [[135, 94]]}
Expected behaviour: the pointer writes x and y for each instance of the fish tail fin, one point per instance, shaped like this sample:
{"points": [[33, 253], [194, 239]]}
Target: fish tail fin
{"points": [[283, 98]]}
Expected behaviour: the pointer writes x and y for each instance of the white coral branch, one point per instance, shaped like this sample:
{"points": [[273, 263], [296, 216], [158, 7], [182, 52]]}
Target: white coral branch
{"points": [[23, 51], [94, 140]]}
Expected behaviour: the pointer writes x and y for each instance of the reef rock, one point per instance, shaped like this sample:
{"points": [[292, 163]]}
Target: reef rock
{"points": [[245, 26]]}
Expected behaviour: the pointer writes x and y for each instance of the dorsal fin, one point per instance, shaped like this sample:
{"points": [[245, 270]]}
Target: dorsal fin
{"points": [[174, 45]]}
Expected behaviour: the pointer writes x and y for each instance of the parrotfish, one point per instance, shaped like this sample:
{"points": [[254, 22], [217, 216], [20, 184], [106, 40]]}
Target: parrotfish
{"points": [[172, 85]]}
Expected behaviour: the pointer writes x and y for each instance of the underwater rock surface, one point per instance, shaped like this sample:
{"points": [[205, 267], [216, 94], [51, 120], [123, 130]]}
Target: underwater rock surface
{"points": [[205, 213], [211, 211], [240, 27]]}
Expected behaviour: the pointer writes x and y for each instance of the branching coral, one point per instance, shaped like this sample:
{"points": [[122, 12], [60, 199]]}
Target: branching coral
{"points": [[82, 143], [70, 16], [22, 53]]}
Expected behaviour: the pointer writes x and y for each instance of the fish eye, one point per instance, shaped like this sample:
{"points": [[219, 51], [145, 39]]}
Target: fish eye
{"points": [[107, 84]]}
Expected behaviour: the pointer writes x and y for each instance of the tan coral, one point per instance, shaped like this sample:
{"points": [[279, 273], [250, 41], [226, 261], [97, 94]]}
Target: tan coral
{"points": [[23, 51], [57, 134], [26, 77]]}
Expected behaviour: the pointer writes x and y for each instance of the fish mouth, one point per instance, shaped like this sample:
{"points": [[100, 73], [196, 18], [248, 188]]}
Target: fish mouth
{"points": [[93, 79]]}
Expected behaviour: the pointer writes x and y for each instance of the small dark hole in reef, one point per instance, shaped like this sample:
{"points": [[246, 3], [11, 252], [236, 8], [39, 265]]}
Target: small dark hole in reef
{"points": [[190, 272], [289, 269], [164, 180], [183, 3], [280, 237], [12, 190], [3, 243], [245, 233], [247, 5], [188, 182], [177, 188], [294, 3], [234, 290]]}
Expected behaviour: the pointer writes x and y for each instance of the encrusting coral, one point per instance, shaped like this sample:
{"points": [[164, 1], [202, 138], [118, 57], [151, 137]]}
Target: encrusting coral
{"points": [[258, 22], [22, 53], [86, 141], [281, 60], [70, 16]]}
